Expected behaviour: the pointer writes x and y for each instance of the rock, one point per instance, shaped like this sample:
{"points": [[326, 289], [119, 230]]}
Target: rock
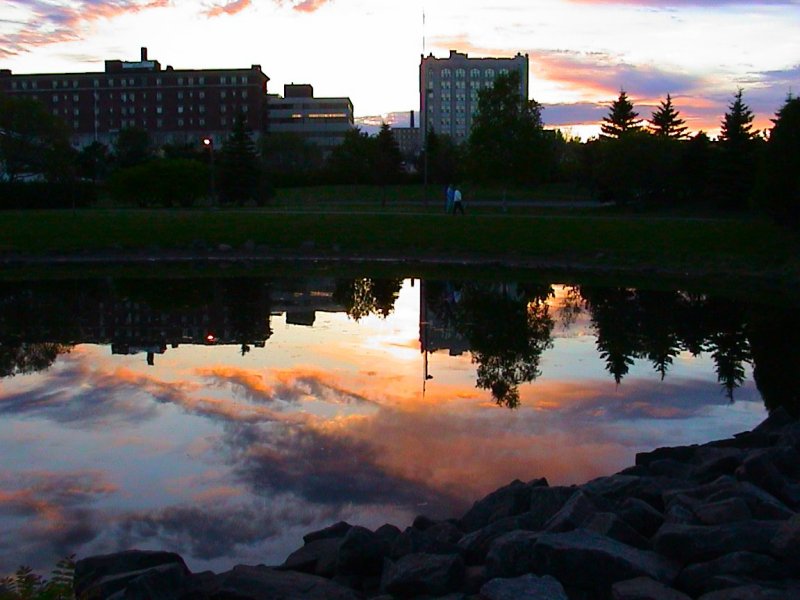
{"points": [[103, 575], [761, 504], [527, 586], [165, 582], [444, 531], [641, 516], [417, 574], [361, 552], [680, 510], [682, 454], [724, 511], [577, 511], [705, 577], [475, 545], [414, 541], [474, 578], [711, 462], [617, 488], [422, 523], [317, 557], [511, 554], [759, 470], [786, 542], [610, 525], [388, 533], [257, 583], [693, 543], [545, 502], [587, 560], [337, 530], [644, 588], [775, 421], [752, 592], [669, 467], [513, 499]]}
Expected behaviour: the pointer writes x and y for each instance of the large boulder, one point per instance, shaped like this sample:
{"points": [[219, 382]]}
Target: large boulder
{"points": [[587, 560], [546, 502], [694, 543], [419, 574], [527, 586], [101, 576], [337, 530], [257, 583], [318, 557], [511, 554], [507, 501], [577, 511], [713, 575], [641, 516], [644, 588], [415, 541], [361, 552], [610, 525], [475, 545]]}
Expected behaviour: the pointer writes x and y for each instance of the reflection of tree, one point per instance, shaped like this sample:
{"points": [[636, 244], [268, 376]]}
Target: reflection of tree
{"points": [[727, 343], [508, 328], [659, 339], [23, 358], [571, 307], [775, 345], [366, 296], [615, 317]]}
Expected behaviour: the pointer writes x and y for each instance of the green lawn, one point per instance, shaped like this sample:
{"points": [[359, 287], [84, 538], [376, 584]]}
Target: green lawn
{"points": [[718, 245]]}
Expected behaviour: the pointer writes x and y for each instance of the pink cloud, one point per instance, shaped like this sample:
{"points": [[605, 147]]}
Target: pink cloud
{"points": [[230, 8]]}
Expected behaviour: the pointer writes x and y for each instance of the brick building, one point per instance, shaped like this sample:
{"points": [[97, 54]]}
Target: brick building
{"points": [[172, 105]]}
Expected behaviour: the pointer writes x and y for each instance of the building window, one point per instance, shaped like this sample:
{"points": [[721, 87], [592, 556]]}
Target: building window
{"points": [[158, 95], [180, 95], [201, 80], [75, 124], [201, 108], [445, 73], [191, 80], [223, 94], [180, 122], [180, 110], [503, 71], [75, 97], [180, 80], [201, 122], [223, 108], [460, 73], [244, 108], [96, 83], [158, 80], [159, 110], [110, 82], [159, 122], [201, 95], [489, 73], [55, 97], [244, 93], [223, 80]]}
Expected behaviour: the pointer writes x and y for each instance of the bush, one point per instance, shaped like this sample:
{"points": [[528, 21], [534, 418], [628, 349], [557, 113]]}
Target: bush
{"points": [[164, 182], [42, 194]]}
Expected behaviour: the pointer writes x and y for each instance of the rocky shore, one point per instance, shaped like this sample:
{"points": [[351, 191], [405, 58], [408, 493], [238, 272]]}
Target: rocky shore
{"points": [[717, 521]]}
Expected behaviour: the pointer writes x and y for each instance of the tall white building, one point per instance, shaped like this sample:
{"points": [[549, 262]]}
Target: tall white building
{"points": [[448, 89]]}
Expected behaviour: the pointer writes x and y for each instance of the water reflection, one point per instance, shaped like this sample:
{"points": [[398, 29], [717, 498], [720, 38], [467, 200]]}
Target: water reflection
{"points": [[225, 418]]}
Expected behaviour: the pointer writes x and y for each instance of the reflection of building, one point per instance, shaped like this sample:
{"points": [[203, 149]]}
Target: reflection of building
{"points": [[172, 105], [321, 121], [448, 89], [437, 330]]}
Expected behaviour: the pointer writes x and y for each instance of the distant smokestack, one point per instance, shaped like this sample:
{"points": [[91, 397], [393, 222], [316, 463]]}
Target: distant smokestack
{"points": [[412, 119], [144, 53]]}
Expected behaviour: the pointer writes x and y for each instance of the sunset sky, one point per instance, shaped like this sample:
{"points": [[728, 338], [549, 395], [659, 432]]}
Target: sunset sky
{"points": [[581, 51]]}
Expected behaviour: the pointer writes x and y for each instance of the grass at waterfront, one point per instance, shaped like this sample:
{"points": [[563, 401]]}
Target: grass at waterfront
{"points": [[734, 245]]}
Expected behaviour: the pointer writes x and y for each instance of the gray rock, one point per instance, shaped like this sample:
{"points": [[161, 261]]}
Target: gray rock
{"points": [[619, 487], [759, 470], [511, 554], [474, 578], [752, 592], [644, 588], [786, 542], [444, 531], [669, 467], [577, 511], [475, 545], [545, 502], [388, 532], [762, 504], [103, 575], [317, 557], [417, 574], [693, 543], [361, 552], [165, 582], [508, 501], [707, 577], [527, 586], [610, 525], [641, 516], [724, 511], [257, 583], [337, 530], [587, 560], [414, 541], [709, 462], [681, 454]]}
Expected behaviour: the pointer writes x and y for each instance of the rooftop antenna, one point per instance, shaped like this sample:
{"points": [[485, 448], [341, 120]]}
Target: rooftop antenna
{"points": [[423, 30]]}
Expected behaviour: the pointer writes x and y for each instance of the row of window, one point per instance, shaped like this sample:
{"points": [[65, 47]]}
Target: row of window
{"points": [[131, 110], [462, 73], [128, 82], [201, 122]]}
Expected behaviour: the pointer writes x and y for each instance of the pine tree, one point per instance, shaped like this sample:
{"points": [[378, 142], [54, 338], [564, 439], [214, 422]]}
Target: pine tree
{"points": [[737, 124], [666, 121], [621, 118]]}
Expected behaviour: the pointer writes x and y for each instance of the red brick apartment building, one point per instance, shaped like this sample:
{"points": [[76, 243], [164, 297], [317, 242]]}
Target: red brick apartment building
{"points": [[174, 106]]}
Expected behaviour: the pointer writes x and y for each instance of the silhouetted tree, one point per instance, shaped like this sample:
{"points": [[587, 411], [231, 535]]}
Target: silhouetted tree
{"points": [[507, 141], [774, 337], [615, 318], [238, 165], [94, 161], [696, 168], [33, 143], [132, 147], [23, 358], [666, 122], [779, 185], [289, 159], [444, 158], [621, 118], [387, 160], [738, 154], [351, 161]]}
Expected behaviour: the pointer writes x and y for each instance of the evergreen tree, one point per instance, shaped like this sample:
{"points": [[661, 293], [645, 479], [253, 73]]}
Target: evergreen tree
{"points": [[621, 119], [737, 124], [666, 121], [239, 172], [388, 160]]}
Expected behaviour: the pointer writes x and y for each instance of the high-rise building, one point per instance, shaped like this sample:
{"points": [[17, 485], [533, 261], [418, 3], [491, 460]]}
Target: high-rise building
{"points": [[321, 121], [448, 89], [172, 105]]}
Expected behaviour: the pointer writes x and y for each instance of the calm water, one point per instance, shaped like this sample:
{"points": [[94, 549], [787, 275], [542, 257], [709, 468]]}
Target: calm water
{"points": [[224, 418]]}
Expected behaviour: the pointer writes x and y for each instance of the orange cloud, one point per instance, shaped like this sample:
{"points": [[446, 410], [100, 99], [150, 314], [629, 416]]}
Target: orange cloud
{"points": [[231, 8]]}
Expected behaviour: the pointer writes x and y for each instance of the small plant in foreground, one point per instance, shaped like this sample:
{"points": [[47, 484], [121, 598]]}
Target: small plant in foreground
{"points": [[27, 585]]}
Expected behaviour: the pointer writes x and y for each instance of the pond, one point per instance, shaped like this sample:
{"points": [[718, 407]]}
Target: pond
{"points": [[224, 418]]}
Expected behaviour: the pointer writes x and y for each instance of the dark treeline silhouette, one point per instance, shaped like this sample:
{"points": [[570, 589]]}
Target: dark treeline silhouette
{"points": [[506, 327]]}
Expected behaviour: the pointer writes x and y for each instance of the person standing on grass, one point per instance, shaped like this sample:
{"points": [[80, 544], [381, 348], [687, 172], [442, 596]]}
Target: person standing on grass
{"points": [[449, 198], [458, 206]]}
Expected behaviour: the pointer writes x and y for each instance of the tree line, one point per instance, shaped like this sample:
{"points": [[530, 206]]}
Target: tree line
{"points": [[634, 161]]}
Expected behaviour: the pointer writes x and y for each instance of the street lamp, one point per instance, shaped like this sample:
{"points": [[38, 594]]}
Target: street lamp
{"points": [[208, 142]]}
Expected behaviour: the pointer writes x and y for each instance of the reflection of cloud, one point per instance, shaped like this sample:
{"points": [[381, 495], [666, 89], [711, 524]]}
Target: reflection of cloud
{"points": [[54, 22], [53, 511], [214, 531]]}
